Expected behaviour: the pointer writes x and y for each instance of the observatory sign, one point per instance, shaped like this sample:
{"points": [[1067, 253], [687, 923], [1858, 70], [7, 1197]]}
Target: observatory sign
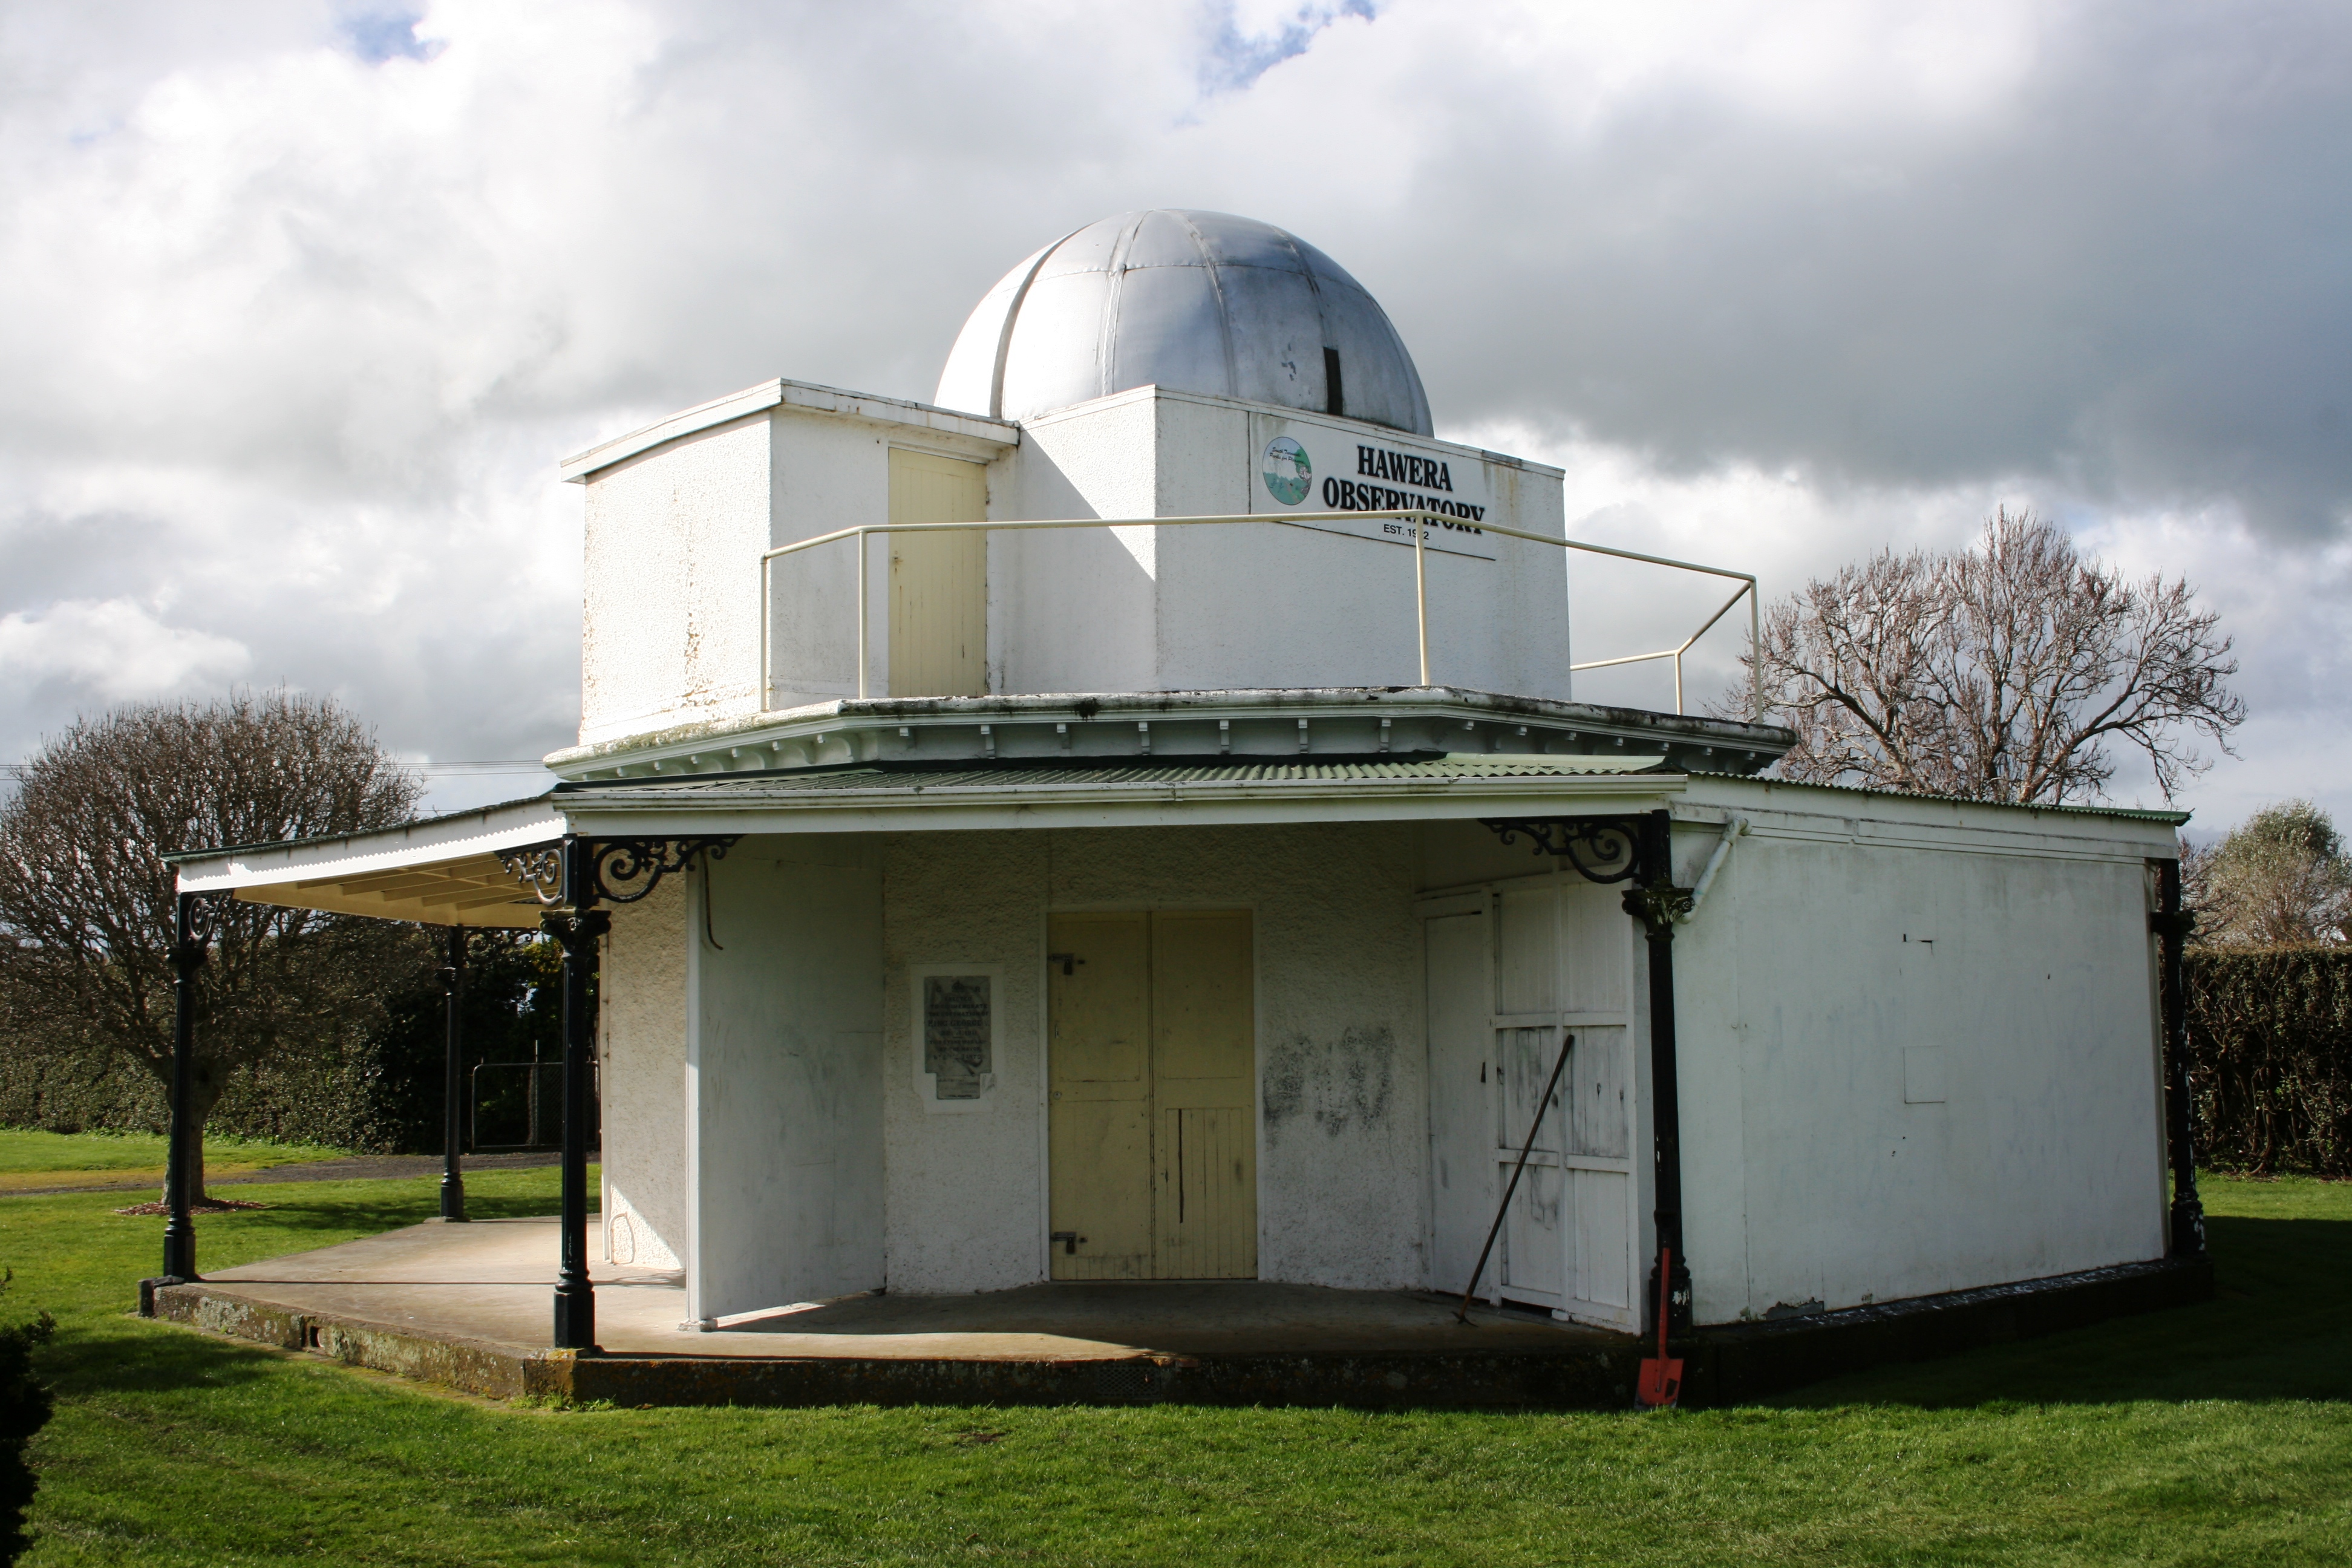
{"points": [[1315, 469], [1289, 472]]}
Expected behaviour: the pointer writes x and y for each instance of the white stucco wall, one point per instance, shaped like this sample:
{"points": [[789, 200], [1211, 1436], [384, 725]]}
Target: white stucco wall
{"points": [[642, 1020], [1297, 606], [1855, 951], [782, 1081], [675, 532], [830, 472], [1075, 609], [1206, 608], [1341, 1098], [670, 615], [1852, 949]]}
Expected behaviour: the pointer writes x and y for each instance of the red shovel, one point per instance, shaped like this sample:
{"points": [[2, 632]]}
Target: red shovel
{"points": [[1662, 1380]]}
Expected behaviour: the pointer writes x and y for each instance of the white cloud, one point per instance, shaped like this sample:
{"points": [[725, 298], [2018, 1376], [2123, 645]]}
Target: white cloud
{"points": [[307, 295], [113, 649]]}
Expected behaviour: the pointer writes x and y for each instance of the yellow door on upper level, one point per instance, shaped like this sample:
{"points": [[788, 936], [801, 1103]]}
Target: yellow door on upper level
{"points": [[1153, 1126], [939, 582]]}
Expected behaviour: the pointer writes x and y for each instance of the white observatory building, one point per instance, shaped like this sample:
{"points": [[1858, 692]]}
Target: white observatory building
{"points": [[1198, 873]]}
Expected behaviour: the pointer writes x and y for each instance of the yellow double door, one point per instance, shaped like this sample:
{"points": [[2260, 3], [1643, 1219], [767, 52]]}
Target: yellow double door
{"points": [[1153, 1126]]}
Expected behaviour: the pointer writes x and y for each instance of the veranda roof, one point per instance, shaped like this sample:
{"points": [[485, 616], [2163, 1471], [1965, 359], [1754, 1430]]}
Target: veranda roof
{"points": [[448, 871]]}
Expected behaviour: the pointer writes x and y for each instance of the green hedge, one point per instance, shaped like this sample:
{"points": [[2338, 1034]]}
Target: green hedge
{"points": [[2270, 1033], [328, 1096], [377, 1090]]}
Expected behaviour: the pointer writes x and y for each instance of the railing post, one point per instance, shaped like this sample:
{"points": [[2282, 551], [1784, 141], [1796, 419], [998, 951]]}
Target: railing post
{"points": [[1755, 653], [861, 615], [452, 1179], [1420, 597]]}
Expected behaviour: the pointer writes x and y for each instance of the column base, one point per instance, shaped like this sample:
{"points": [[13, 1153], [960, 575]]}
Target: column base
{"points": [[2188, 1228], [575, 1318]]}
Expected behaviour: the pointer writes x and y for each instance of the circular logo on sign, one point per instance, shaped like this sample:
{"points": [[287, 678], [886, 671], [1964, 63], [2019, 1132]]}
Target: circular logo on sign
{"points": [[1288, 475]]}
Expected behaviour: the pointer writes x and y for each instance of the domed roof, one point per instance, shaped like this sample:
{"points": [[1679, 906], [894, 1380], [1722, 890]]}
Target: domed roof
{"points": [[1193, 301]]}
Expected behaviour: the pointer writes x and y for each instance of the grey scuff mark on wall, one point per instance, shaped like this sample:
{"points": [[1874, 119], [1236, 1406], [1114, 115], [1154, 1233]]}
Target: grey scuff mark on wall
{"points": [[1345, 1083]]}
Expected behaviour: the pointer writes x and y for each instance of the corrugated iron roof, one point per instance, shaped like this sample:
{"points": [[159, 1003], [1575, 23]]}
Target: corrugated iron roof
{"points": [[2132, 813]]}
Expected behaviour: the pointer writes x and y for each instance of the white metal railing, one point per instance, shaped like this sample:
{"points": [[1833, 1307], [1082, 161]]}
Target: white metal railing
{"points": [[1747, 582]]}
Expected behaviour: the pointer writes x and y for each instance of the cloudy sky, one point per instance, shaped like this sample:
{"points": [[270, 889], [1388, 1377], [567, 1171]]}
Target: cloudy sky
{"points": [[307, 297]]}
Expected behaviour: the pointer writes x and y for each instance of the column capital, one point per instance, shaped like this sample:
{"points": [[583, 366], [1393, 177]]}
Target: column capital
{"points": [[1658, 907], [577, 930]]}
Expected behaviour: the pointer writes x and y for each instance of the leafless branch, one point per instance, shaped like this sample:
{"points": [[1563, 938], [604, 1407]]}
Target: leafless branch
{"points": [[2005, 672]]}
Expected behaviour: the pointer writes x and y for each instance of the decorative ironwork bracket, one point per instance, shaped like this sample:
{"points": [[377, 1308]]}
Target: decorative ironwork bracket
{"points": [[620, 870], [623, 870], [1603, 850], [540, 869]]}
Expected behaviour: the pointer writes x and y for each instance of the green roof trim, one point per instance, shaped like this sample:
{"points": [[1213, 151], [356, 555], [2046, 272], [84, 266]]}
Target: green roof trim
{"points": [[1143, 772]]}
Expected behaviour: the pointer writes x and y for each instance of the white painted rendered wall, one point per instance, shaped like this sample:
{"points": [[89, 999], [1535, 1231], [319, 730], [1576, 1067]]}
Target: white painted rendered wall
{"points": [[670, 613], [1341, 1096], [670, 631], [675, 532], [1226, 607], [1075, 609], [642, 1079], [782, 1082], [1807, 1178], [1852, 940]]}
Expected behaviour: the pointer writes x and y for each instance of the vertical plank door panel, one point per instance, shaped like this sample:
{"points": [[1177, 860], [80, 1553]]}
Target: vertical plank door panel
{"points": [[939, 582], [1098, 1121], [1203, 1068], [1462, 1171]]}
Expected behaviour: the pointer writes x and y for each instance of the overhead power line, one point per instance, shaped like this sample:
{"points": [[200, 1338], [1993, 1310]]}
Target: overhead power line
{"points": [[528, 766], [430, 770]]}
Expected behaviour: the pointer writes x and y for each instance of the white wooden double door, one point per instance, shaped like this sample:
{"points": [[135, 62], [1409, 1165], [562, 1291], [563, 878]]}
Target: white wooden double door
{"points": [[1513, 969]]}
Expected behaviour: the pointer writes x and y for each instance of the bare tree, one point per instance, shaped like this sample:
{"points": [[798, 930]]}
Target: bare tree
{"points": [[87, 902], [2003, 673], [2280, 877]]}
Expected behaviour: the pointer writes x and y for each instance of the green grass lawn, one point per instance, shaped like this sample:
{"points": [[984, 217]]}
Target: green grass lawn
{"points": [[31, 1159], [2214, 1435]]}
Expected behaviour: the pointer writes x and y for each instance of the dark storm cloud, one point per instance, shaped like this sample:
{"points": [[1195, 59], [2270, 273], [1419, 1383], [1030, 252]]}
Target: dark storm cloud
{"points": [[2127, 266]]}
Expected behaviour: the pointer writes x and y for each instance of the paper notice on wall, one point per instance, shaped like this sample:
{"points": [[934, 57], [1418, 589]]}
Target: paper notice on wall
{"points": [[956, 1035]]}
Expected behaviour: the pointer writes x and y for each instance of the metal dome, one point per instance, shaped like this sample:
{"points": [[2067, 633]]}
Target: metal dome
{"points": [[1193, 301]]}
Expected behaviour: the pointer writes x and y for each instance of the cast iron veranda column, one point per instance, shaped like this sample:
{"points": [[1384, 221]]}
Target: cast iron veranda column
{"points": [[2172, 925], [1655, 902], [180, 1231], [453, 1080], [577, 927]]}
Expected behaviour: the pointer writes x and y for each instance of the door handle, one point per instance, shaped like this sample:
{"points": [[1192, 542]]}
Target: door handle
{"points": [[1069, 1240], [1068, 961]]}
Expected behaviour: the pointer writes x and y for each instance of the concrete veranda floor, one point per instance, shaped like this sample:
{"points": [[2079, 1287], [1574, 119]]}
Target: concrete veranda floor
{"points": [[491, 1281]]}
